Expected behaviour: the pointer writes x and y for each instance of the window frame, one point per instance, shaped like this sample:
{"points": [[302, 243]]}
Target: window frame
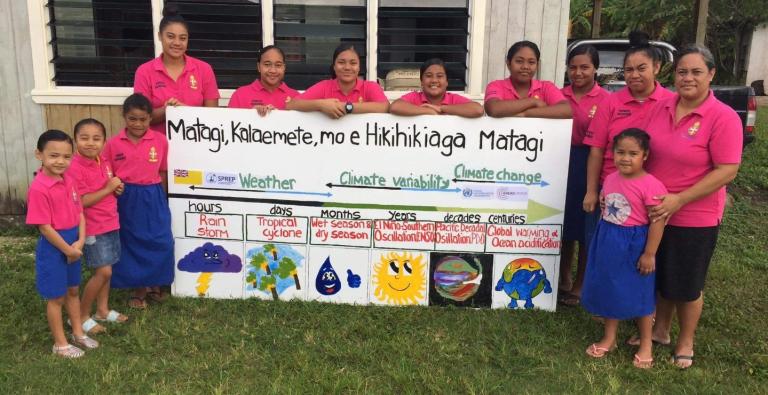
{"points": [[46, 91]]}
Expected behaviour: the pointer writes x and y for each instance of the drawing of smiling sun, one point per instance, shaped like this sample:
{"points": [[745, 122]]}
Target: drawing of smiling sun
{"points": [[400, 278]]}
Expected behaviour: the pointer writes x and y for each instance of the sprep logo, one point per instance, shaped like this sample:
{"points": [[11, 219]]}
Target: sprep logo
{"points": [[213, 178]]}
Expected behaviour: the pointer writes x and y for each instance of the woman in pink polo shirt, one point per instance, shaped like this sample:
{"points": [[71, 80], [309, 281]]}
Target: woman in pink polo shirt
{"points": [[521, 95], [174, 78], [269, 91], [434, 99], [624, 109], [696, 142], [585, 97], [345, 93]]}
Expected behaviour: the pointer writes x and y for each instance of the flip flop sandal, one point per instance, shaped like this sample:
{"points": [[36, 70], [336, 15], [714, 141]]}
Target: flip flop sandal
{"points": [[137, 302], [642, 363], [596, 351], [85, 342], [92, 327], [677, 358], [157, 297], [113, 316], [68, 351], [569, 299]]}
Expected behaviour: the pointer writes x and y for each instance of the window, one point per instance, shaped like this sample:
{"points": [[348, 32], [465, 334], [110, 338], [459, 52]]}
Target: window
{"points": [[87, 51], [226, 34], [410, 33], [309, 31], [99, 42]]}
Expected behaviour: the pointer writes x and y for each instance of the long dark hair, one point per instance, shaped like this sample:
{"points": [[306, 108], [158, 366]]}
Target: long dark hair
{"points": [[520, 45], [640, 42], [171, 15]]}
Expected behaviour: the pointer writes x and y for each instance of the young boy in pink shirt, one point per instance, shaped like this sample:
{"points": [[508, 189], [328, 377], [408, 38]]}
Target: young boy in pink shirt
{"points": [[53, 205], [98, 187]]}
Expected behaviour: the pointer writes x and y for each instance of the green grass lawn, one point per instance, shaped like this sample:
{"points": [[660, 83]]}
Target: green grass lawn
{"points": [[212, 346]]}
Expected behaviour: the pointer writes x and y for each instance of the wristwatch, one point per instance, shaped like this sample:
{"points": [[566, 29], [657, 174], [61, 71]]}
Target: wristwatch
{"points": [[348, 107]]}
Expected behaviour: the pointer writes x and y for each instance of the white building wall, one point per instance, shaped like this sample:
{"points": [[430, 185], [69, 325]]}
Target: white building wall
{"points": [[21, 120], [757, 63]]}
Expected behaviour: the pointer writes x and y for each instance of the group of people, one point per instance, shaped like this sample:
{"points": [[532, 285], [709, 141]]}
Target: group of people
{"points": [[645, 192]]}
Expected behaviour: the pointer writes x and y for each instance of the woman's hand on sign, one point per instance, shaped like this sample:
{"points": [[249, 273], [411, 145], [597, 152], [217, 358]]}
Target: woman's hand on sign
{"points": [[670, 204], [437, 110], [333, 108], [263, 110], [173, 102]]}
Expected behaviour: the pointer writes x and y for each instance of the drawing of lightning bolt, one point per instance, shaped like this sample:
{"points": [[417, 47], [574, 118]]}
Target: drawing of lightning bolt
{"points": [[203, 282]]}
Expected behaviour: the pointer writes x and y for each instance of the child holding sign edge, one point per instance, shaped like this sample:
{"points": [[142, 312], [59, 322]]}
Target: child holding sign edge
{"points": [[139, 157]]}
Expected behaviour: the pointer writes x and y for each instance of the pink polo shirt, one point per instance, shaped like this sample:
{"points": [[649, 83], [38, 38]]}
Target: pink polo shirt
{"points": [[256, 95], [543, 90], [139, 163], [419, 98], [627, 199], [53, 202], [620, 111], [90, 176], [584, 109], [364, 91], [683, 153], [195, 84]]}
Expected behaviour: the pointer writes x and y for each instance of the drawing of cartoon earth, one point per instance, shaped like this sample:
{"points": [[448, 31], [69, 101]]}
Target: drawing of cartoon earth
{"points": [[523, 279]]}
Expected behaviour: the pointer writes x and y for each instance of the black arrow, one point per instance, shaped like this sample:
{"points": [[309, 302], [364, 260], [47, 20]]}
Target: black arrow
{"points": [[330, 185], [467, 180]]}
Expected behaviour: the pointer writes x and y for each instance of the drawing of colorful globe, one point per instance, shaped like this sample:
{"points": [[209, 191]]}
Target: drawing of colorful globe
{"points": [[456, 279], [523, 264]]}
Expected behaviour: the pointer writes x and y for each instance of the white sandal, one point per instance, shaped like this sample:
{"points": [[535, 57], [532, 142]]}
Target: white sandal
{"points": [[113, 316], [68, 351], [85, 341]]}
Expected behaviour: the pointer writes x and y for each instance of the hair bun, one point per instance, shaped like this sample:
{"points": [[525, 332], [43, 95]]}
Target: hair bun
{"points": [[638, 39], [170, 10]]}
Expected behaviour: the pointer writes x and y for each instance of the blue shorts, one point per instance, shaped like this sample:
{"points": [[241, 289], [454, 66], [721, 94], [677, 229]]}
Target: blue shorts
{"points": [[102, 250], [53, 275]]}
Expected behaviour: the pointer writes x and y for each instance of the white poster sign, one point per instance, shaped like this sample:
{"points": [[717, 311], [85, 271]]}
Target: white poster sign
{"points": [[368, 209]]}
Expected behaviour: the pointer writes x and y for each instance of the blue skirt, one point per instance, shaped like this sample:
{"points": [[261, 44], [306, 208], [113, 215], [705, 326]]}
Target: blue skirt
{"points": [[146, 241], [573, 222], [613, 287]]}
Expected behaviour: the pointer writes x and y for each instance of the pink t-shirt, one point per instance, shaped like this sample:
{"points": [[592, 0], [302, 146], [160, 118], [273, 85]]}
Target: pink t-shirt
{"points": [[543, 90], [195, 84], [627, 199], [53, 202], [584, 110], [364, 91], [419, 98], [256, 95], [683, 153], [90, 176], [620, 111], [139, 163]]}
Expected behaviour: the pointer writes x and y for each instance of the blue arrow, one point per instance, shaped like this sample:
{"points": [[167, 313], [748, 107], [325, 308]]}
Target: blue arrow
{"points": [[542, 183], [431, 190]]}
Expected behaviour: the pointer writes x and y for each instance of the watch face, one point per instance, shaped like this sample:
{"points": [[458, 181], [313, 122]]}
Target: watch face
{"points": [[348, 107]]}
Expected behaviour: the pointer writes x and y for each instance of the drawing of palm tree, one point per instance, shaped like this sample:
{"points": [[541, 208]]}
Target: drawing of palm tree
{"points": [[260, 261], [288, 268], [271, 249], [268, 282]]}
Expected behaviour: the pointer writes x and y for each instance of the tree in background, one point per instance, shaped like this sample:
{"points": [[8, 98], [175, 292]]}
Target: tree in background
{"points": [[730, 25]]}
